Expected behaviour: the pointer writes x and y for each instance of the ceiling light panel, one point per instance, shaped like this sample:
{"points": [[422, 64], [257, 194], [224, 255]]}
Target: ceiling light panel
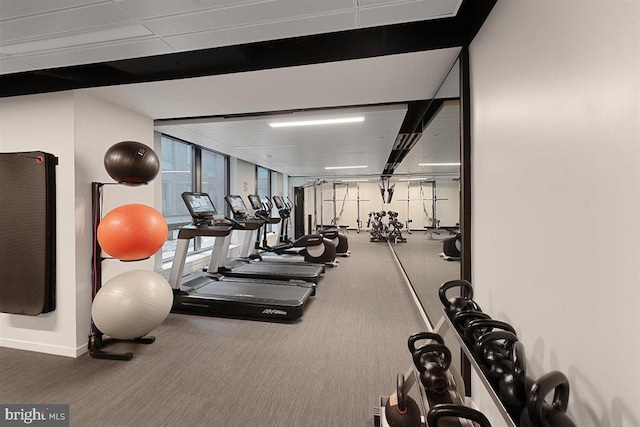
{"points": [[64, 21], [407, 12], [243, 15], [317, 122]]}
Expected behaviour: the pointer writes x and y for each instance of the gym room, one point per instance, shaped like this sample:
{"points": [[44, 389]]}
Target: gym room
{"points": [[438, 200]]}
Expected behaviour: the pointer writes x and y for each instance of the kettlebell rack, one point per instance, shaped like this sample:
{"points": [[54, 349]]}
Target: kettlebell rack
{"points": [[96, 337], [412, 378], [445, 325]]}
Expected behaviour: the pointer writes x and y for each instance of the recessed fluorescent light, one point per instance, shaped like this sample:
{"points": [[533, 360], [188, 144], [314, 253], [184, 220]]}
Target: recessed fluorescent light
{"points": [[346, 167], [438, 164], [317, 122], [251, 147], [412, 179], [353, 180], [76, 40]]}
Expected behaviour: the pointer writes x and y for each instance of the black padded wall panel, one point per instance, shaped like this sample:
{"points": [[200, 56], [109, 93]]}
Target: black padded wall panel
{"points": [[28, 238]]}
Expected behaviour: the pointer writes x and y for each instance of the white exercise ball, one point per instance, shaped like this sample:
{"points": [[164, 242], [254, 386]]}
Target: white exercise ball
{"points": [[132, 304]]}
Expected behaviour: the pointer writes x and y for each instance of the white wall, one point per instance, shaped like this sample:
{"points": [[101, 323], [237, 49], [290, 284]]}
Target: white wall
{"points": [[78, 129], [99, 125], [46, 122], [245, 178], [555, 90]]}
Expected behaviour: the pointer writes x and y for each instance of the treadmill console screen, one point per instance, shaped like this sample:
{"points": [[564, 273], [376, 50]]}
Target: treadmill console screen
{"points": [[254, 199], [279, 202], [200, 205], [236, 204]]}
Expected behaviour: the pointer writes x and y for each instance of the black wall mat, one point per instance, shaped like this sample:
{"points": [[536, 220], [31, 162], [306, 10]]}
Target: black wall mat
{"points": [[28, 239]]}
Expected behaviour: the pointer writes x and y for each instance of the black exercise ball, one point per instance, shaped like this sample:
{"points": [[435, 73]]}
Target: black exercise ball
{"points": [[131, 162]]}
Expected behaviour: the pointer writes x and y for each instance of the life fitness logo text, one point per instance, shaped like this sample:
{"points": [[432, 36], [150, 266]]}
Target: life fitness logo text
{"points": [[40, 415], [272, 311]]}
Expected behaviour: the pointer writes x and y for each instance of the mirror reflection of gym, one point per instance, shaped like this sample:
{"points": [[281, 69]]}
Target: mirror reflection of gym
{"points": [[428, 185]]}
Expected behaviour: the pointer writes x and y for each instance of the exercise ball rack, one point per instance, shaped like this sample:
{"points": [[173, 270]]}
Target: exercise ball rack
{"points": [[96, 338]]}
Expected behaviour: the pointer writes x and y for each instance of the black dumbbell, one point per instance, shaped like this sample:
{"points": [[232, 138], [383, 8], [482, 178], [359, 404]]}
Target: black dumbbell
{"points": [[459, 303], [515, 385], [490, 350], [477, 328], [433, 361], [462, 319], [401, 410], [437, 412], [539, 413], [423, 336]]}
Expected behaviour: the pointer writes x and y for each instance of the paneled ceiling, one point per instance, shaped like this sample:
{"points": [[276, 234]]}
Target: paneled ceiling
{"points": [[42, 34], [215, 72], [304, 151]]}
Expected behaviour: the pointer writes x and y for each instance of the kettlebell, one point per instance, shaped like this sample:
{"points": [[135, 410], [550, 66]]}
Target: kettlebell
{"points": [[432, 361], [401, 410], [490, 349], [423, 336], [477, 328], [539, 413], [437, 412], [459, 303], [462, 319], [514, 385]]}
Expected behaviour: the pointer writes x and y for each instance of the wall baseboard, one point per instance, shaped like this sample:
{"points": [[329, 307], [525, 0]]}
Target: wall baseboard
{"points": [[42, 348]]}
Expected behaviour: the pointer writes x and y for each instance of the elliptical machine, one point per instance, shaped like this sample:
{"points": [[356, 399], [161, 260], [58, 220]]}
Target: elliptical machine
{"points": [[313, 247], [330, 232]]}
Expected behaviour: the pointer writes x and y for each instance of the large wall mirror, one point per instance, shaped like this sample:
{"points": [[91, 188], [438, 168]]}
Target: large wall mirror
{"points": [[428, 181]]}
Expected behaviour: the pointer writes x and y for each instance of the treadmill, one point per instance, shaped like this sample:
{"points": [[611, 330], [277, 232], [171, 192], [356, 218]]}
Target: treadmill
{"points": [[248, 268], [213, 294]]}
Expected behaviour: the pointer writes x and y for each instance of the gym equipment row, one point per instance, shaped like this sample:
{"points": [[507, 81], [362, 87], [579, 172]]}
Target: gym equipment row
{"points": [[498, 357], [439, 386], [381, 232]]}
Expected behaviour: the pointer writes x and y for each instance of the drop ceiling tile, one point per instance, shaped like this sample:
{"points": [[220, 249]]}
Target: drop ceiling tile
{"points": [[16, 8], [260, 32], [8, 66], [64, 21], [272, 11], [99, 53], [144, 9], [407, 12], [369, 3]]}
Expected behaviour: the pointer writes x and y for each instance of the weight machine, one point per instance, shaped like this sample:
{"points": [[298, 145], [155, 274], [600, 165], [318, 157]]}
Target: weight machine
{"points": [[334, 200], [435, 222]]}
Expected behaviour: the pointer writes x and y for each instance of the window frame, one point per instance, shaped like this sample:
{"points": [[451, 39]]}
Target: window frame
{"points": [[196, 184]]}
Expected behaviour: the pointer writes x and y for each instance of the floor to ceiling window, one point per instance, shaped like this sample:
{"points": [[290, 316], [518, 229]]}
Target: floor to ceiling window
{"points": [[188, 167]]}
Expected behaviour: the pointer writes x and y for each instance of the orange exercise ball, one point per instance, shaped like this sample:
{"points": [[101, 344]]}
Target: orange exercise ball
{"points": [[132, 232]]}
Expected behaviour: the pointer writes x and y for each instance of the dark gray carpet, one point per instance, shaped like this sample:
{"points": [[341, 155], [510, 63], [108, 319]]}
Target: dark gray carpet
{"points": [[328, 369], [426, 271], [420, 259]]}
